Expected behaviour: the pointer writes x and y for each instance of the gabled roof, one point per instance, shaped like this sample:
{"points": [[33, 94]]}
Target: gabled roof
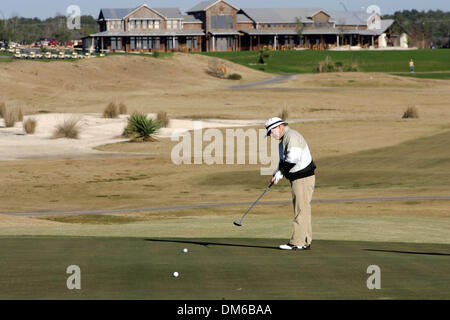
{"points": [[146, 6], [171, 13], [205, 5], [350, 18], [290, 15], [279, 15], [114, 13], [242, 18], [119, 14]]}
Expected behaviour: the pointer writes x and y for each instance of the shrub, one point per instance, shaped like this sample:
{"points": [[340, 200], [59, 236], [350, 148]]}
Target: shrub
{"points": [[235, 76], [68, 129], [123, 108], [353, 67], [155, 54], [411, 112], [30, 125], [111, 111], [263, 55], [11, 116], [2, 109], [141, 128], [163, 118], [216, 69]]}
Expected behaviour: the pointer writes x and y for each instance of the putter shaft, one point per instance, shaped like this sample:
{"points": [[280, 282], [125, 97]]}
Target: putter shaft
{"points": [[248, 210]]}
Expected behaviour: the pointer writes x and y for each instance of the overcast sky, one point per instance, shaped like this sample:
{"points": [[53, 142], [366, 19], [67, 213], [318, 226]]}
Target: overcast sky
{"points": [[48, 8]]}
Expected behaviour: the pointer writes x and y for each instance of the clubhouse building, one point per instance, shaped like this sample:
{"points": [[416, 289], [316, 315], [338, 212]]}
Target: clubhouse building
{"points": [[217, 25]]}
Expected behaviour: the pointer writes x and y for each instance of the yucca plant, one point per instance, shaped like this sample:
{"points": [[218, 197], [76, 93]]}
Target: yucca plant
{"points": [[141, 128]]}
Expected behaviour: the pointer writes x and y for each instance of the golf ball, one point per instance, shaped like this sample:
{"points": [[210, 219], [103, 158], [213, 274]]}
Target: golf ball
{"points": [[175, 274], [185, 250]]}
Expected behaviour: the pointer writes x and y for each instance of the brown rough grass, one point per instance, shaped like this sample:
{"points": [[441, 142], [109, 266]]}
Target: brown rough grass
{"points": [[68, 129], [111, 111], [30, 125]]}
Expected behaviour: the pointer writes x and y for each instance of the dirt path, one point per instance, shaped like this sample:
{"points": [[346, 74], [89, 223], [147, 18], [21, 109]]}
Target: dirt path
{"points": [[216, 205]]}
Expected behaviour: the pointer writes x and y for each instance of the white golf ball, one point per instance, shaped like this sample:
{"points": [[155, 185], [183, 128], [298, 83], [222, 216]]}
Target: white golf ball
{"points": [[176, 274], [185, 250]]}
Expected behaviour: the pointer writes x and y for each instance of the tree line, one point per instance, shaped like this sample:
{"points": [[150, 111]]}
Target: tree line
{"points": [[425, 28], [30, 30]]}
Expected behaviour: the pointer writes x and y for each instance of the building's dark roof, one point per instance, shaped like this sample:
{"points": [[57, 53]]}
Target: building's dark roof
{"points": [[115, 13]]}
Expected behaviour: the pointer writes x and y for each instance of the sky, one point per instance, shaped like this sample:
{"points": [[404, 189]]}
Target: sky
{"points": [[49, 8]]}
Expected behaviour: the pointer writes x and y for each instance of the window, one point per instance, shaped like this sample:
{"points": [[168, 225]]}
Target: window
{"points": [[150, 24], [221, 22], [156, 24], [169, 24], [138, 24], [145, 43], [138, 42], [144, 24], [132, 43]]}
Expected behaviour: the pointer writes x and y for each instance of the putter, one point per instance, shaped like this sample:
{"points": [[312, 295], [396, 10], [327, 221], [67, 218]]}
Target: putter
{"points": [[239, 224]]}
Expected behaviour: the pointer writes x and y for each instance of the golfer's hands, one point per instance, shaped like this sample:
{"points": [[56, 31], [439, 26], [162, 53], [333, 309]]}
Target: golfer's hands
{"points": [[277, 177]]}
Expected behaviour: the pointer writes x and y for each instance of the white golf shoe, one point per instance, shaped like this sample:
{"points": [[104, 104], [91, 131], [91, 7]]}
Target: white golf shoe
{"points": [[289, 246]]}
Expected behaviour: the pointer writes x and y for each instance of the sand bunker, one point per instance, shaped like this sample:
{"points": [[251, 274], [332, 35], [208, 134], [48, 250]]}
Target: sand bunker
{"points": [[95, 130]]}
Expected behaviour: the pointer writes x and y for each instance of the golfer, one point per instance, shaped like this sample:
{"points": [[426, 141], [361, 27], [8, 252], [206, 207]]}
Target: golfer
{"points": [[296, 164], [411, 65]]}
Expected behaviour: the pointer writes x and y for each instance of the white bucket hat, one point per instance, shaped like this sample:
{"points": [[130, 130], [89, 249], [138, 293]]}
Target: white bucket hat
{"points": [[273, 123]]}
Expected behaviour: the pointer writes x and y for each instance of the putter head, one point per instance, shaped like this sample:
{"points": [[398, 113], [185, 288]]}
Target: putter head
{"points": [[237, 224]]}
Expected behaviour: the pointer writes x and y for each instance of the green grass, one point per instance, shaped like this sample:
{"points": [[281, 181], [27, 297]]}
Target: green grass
{"points": [[219, 268], [368, 61]]}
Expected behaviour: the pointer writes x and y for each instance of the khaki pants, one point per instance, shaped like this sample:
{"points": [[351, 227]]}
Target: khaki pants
{"points": [[302, 191]]}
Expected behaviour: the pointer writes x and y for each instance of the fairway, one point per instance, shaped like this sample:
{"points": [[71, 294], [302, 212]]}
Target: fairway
{"points": [[219, 268], [292, 61]]}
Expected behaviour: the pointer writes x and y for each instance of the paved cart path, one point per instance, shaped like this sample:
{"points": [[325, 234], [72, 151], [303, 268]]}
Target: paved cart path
{"points": [[217, 205]]}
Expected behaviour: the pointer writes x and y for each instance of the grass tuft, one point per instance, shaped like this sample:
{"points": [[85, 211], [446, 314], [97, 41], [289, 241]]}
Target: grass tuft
{"points": [[68, 129], [111, 111], [123, 109], [411, 112], [30, 125], [163, 118]]}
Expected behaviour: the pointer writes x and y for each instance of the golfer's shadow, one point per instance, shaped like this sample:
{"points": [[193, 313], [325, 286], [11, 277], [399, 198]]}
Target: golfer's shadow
{"points": [[410, 252], [207, 244]]}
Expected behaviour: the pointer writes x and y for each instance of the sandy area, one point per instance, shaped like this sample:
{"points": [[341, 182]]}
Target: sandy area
{"points": [[94, 131]]}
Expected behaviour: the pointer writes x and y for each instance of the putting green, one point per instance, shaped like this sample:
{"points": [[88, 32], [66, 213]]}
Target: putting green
{"points": [[225, 268]]}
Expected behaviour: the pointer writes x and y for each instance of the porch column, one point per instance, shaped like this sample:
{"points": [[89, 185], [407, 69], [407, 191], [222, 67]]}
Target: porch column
{"points": [[213, 44], [275, 42], [337, 38], [373, 41]]}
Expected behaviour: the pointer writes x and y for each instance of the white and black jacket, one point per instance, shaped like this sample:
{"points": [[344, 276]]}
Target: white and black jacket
{"points": [[295, 158]]}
